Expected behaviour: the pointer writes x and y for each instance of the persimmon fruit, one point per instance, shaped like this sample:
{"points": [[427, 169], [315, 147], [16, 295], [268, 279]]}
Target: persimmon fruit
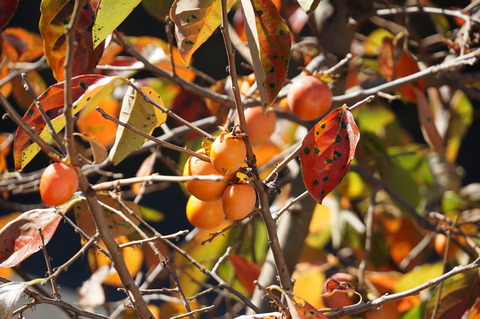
{"points": [[238, 200], [260, 124], [228, 153], [203, 190], [309, 98], [58, 183], [204, 215], [440, 245]]}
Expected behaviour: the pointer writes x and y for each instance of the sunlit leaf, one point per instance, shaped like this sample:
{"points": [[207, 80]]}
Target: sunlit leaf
{"points": [[86, 90], [195, 22], [116, 224], [99, 151], [21, 96], [27, 44], [145, 169], [418, 276], [141, 115], [157, 51], [157, 9], [327, 151], [10, 292], [427, 122], [308, 275], [374, 41], [7, 11], [91, 122], [8, 54], [458, 294], [308, 5], [269, 43], [461, 112], [110, 14], [132, 255], [396, 62], [205, 254], [246, 271], [21, 237], [55, 17]]}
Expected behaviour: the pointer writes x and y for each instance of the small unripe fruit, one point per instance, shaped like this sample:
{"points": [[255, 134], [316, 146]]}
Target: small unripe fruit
{"points": [[228, 153], [204, 214], [58, 183], [309, 98], [238, 200]]}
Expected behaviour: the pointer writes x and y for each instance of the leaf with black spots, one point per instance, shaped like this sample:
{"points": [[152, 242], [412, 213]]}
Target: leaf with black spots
{"points": [[327, 151], [55, 17], [269, 42]]}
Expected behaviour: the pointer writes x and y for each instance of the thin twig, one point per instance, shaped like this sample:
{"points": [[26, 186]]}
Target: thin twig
{"points": [[55, 294], [411, 292], [44, 115], [151, 138]]}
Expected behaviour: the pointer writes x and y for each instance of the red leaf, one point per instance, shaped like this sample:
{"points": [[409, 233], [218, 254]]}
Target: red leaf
{"points": [[52, 102], [56, 15], [395, 63], [327, 151], [20, 238], [246, 271], [269, 43], [7, 10]]}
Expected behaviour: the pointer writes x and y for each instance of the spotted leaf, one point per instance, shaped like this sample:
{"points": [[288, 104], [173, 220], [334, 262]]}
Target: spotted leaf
{"points": [[269, 43], [55, 17], [195, 21], [327, 151]]}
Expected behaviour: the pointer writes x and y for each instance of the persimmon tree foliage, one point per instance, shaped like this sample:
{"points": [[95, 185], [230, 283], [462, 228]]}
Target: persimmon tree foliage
{"points": [[344, 198]]}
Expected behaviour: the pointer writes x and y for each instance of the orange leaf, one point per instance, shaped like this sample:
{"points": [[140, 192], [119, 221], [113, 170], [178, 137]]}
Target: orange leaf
{"points": [[56, 14], [246, 271]]}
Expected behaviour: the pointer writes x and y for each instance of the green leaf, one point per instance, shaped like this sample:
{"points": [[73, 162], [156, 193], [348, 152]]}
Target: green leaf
{"points": [[269, 42], [195, 22], [419, 276], [140, 114], [152, 215], [87, 90], [157, 9], [110, 14], [56, 15]]}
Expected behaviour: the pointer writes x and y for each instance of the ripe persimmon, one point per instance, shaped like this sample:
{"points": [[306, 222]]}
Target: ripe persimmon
{"points": [[228, 153], [440, 245], [238, 200], [58, 183], [260, 124], [309, 98], [204, 190], [264, 153], [204, 214]]}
